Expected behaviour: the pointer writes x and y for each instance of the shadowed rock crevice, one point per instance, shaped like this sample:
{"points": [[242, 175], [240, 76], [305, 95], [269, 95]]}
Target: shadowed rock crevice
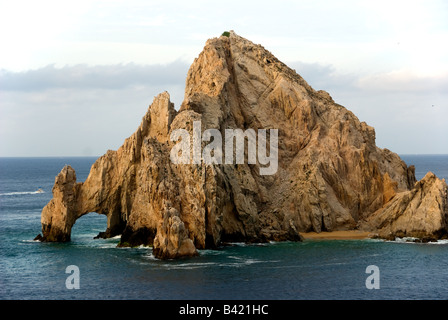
{"points": [[134, 238], [331, 176]]}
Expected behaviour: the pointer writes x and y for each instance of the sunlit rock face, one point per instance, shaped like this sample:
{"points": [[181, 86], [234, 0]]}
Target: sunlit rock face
{"points": [[329, 173]]}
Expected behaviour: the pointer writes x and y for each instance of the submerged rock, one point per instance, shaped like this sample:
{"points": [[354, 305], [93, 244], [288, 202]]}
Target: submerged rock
{"points": [[330, 174]]}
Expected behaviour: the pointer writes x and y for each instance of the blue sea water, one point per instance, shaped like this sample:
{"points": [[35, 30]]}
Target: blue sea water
{"points": [[313, 269]]}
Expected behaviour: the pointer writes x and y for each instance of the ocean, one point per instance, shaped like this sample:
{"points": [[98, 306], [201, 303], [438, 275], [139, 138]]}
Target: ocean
{"points": [[309, 270]]}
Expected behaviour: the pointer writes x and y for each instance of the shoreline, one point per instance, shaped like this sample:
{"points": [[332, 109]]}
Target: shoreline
{"points": [[338, 235]]}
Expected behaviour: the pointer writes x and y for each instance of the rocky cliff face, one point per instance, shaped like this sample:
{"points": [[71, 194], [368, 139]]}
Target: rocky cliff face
{"points": [[421, 212], [330, 174]]}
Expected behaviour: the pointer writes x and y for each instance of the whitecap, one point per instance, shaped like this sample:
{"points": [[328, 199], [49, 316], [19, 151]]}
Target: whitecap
{"points": [[151, 257], [445, 241], [205, 252], [413, 240], [143, 247], [138, 248], [240, 244], [187, 266], [106, 246], [252, 261], [20, 193], [240, 262], [403, 240], [374, 240]]}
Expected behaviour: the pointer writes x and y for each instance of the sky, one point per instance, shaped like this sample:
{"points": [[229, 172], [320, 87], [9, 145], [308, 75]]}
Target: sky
{"points": [[77, 77]]}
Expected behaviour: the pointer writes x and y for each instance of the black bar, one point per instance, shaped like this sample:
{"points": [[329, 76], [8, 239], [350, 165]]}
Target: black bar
{"points": [[216, 309]]}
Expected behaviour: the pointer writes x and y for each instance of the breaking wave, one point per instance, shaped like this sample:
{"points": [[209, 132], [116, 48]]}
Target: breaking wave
{"points": [[412, 240]]}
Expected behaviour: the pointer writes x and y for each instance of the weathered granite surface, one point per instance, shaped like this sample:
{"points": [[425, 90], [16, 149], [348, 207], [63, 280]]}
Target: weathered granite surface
{"points": [[330, 176]]}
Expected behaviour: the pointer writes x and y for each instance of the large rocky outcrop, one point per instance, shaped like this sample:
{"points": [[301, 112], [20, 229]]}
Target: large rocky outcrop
{"points": [[421, 212], [330, 174]]}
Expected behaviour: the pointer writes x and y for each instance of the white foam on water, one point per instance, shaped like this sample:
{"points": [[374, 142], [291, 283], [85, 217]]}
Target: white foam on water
{"points": [[151, 257], [252, 261], [439, 242], [206, 252], [240, 244], [106, 246], [140, 247], [143, 247], [373, 240], [20, 193], [405, 239], [186, 266], [241, 262], [411, 240]]}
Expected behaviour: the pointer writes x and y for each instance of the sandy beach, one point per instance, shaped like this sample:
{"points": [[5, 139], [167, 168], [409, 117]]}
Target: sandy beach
{"points": [[338, 235]]}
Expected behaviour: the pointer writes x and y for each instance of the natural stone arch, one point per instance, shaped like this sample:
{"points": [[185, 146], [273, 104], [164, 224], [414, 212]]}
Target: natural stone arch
{"points": [[131, 187], [68, 205]]}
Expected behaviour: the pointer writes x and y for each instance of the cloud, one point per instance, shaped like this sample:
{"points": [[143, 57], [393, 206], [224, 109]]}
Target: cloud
{"points": [[85, 110], [89, 77], [407, 110], [65, 111], [404, 81], [323, 77]]}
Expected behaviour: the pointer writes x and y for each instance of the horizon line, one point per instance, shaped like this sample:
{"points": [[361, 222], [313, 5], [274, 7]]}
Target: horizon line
{"points": [[84, 156]]}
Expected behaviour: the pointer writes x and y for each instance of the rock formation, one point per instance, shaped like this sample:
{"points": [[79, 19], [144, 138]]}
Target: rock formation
{"points": [[421, 212], [330, 176]]}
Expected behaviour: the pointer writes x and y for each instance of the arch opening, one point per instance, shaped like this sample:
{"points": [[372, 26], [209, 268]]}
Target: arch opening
{"points": [[93, 223], [88, 226]]}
